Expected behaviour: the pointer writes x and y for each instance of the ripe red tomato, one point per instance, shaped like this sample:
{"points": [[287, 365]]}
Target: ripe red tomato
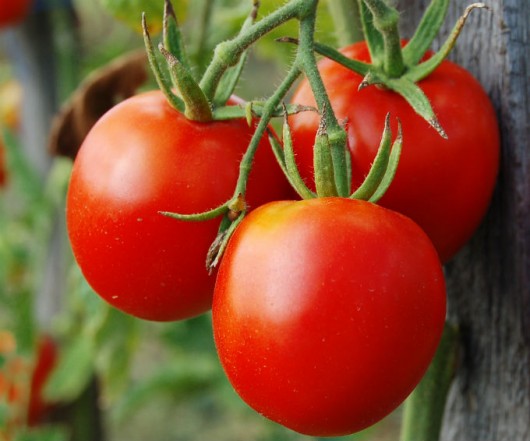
{"points": [[13, 11], [443, 185], [143, 157], [327, 312]]}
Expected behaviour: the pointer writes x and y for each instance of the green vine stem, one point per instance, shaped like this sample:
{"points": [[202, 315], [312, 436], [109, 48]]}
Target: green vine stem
{"points": [[424, 409], [226, 54], [385, 19]]}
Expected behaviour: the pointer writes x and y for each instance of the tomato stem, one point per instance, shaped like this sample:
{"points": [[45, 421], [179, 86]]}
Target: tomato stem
{"points": [[336, 135], [385, 20], [226, 54], [424, 409]]}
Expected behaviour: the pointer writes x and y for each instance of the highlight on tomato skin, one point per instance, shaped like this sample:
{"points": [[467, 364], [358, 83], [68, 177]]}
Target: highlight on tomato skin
{"points": [[443, 185], [327, 312], [141, 158]]}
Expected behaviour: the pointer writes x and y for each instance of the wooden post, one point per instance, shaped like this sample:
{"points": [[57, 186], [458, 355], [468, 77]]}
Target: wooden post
{"points": [[489, 281]]}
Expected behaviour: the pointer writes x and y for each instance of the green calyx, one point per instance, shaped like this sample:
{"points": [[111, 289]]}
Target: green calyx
{"points": [[396, 68], [183, 91]]}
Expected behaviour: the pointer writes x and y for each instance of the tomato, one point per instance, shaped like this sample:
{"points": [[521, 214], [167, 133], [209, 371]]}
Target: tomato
{"points": [[327, 312], [143, 157], [443, 185], [47, 356], [13, 11]]}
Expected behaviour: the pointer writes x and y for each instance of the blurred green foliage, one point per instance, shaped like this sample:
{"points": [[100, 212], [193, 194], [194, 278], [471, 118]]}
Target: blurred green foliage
{"points": [[157, 381]]}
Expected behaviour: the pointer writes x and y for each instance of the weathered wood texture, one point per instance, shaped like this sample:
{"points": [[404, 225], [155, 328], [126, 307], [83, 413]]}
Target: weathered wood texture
{"points": [[489, 281]]}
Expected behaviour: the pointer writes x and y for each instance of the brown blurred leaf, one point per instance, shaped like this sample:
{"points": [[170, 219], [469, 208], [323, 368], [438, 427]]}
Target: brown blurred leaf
{"points": [[102, 90]]}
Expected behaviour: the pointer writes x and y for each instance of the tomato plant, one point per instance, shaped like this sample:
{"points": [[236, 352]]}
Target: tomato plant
{"points": [[13, 11], [141, 158], [443, 185], [327, 312]]}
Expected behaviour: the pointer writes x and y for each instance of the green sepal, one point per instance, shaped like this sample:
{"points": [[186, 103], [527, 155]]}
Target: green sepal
{"points": [[199, 217], [257, 107], [172, 36], [173, 100], [426, 32], [323, 163], [360, 67], [197, 107], [230, 78], [413, 94], [424, 69], [289, 162], [392, 166], [293, 173], [379, 166]]}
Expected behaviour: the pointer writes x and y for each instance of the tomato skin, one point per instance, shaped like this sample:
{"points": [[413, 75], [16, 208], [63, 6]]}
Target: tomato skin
{"points": [[13, 11], [327, 312], [143, 157], [443, 185]]}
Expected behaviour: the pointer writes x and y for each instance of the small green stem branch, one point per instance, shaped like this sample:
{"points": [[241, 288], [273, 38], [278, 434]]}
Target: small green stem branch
{"points": [[335, 134], [227, 54], [345, 15], [386, 20], [424, 409], [268, 112]]}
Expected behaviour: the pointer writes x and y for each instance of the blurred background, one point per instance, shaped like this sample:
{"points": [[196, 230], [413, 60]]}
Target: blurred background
{"points": [[72, 368]]}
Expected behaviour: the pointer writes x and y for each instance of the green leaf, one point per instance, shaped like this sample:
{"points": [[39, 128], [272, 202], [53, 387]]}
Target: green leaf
{"points": [[73, 372], [116, 341], [181, 378]]}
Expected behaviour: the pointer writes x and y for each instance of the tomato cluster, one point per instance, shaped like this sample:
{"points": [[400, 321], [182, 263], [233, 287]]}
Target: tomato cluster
{"points": [[327, 311]]}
